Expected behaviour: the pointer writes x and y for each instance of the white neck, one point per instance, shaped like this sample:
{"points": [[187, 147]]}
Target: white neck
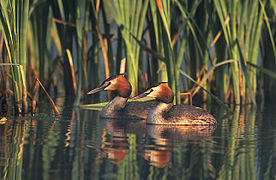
{"points": [[156, 116]]}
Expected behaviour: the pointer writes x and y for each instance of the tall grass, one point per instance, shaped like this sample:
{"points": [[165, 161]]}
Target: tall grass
{"points": [[246, 32], [130, 17], [159, 39], [269, 36], [14, 27]]}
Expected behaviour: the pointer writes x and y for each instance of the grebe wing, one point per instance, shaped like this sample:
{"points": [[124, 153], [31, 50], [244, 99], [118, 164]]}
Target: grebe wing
{"points": [[187, 114], [140, 108]]}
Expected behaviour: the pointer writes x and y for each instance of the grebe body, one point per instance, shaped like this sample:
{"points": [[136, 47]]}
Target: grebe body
{"points": [[119, 107], [167, 113]]}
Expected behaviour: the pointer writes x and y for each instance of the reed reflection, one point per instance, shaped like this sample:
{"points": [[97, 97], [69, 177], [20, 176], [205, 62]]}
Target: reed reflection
{"points": [[11, 149], [237, 161], [82, 146]]}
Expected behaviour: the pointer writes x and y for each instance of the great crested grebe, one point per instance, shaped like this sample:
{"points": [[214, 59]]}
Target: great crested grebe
{"points": [[119, 107], [167, 113]]}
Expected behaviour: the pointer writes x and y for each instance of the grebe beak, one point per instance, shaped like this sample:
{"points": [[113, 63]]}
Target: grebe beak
{"points": [[102, 87], [140, 96]]}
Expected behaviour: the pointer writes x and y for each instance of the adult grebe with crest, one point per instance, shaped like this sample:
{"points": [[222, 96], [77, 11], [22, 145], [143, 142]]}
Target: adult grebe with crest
{"points": [[119, 107], [167, 113]]}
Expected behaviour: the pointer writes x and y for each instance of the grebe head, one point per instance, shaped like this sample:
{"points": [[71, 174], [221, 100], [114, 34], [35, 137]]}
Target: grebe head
{"points": [[162, 92], [116, 83]]}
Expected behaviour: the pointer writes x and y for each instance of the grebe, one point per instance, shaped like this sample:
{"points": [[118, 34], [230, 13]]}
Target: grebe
{"points": [[119, 107], [167, 113]]}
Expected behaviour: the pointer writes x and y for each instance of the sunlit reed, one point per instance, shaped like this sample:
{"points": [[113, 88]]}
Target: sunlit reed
{"points": [[181, 42]]}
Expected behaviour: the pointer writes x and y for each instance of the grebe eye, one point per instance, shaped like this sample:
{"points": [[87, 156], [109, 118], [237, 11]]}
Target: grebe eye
{"points": [[106, 84], [149, 92]]}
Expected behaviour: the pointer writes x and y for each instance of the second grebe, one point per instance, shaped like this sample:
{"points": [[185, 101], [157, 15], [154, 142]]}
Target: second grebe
{"points": [[167, 113], [119, 107]]}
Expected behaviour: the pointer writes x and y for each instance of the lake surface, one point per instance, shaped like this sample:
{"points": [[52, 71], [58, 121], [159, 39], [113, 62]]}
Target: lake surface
{"points": [[80, 145]]}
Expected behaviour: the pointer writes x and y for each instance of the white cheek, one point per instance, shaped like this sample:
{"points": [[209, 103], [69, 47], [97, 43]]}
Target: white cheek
{"points": [[153, 94], [110, 86], [156, 89]]}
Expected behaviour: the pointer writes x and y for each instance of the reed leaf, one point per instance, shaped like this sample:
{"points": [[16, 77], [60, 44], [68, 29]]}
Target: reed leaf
{"points": [[64, 15], [37, 38], [130, 22], [212, 95], [99, 106], [6, 29], [273, 4], [96, 106], [177, 36], [186, 18], [264, 70], [170, 61], [248, 82], [22, 49], [205, 79], [82, 75], [227, 16], [157, 69], [14, 27]]}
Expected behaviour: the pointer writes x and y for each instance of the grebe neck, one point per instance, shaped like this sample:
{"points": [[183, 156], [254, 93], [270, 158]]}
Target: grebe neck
{"points": [[115, 106], [157, 115]]}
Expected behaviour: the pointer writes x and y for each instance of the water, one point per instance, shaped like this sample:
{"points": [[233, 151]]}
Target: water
{"points": [[79, 145]]}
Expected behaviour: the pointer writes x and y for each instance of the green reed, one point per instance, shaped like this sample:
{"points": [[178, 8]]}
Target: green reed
{"points": [[269, 36], [81, 22], [159, 39], [130, 23], [13, 24]]}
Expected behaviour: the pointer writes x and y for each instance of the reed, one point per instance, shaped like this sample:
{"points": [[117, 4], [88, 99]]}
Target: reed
{"points": [[130, 17], [166, 16], [14, 26], [81, 19], [64, 15], [269, 36], [159, 39]]}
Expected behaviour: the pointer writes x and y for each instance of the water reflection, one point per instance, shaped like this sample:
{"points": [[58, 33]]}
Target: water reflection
{"points": [[163, 138], [79, 145], [118, 136]]}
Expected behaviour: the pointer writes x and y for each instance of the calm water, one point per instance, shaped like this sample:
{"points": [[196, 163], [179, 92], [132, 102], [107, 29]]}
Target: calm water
{"points": [[79, 145]]}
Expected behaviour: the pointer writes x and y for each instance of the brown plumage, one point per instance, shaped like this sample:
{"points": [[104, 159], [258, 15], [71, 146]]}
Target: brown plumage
{"points": [[167, 113], [119, 107]]}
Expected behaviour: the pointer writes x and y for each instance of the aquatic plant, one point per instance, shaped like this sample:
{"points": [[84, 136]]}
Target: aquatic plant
{"points": [[77, 42], [14, 27]]}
